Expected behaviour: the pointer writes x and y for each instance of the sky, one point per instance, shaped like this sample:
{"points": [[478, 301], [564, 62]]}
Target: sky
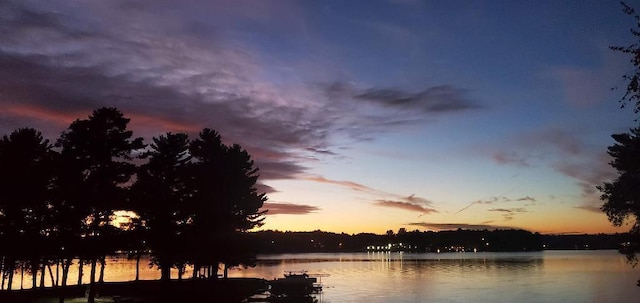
{"points": [[362, 116]]}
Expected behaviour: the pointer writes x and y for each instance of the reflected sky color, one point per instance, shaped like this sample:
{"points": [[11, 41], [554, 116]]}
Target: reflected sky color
{"points": [[548, 276], [363, 116]]}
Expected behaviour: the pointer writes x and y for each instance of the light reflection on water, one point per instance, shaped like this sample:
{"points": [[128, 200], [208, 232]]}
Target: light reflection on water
{"points": [[550, 276]]}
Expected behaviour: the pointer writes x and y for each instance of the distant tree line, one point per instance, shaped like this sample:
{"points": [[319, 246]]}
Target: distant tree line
{"points": [[414, 241], [270, 241], [57, 200]]}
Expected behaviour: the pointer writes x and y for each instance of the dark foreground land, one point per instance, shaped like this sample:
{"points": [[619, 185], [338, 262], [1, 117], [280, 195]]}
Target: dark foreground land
{"points": [[230, 290]]}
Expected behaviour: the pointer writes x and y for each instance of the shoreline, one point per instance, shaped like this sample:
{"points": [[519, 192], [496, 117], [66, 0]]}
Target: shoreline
{"points": [[147, 291]]}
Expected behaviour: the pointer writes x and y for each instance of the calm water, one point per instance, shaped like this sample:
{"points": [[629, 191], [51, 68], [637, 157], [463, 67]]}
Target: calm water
{"points": [[551, 276]]}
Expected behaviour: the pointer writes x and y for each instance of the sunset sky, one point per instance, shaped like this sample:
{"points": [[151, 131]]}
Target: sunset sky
{"points": [[363, 116]]}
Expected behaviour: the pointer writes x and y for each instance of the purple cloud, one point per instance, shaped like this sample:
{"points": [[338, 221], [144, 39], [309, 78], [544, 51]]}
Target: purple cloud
{"points": [[405, 206], [278, 208]]}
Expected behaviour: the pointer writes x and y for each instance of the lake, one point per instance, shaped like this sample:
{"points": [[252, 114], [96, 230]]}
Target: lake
{"points": [[548, 276]]}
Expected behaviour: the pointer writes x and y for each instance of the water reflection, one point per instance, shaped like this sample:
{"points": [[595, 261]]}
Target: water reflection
{"points": [[551, 276], [562, 276]]}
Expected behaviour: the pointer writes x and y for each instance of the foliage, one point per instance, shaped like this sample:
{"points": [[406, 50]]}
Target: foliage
{"points": [[225, 201], [189, 196], [162, 196], [622, 196], [632, 93], [26, 163], [97, 152]]}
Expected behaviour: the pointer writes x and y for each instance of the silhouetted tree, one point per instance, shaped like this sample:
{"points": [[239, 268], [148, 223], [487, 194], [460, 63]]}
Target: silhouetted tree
{"points": [[632, 93], [98, 151], [162, 198], [622, 196], [226, 201], [25, 181]]}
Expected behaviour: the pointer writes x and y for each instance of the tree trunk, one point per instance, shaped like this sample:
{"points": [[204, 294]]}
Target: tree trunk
{"points": [[103, 262], [65, 271], [196, 270], [42, 274], [138, 267], [214, 274], [165, 272], [80, 268], [92, 283], [66, 264], [34, 274], [22, 275], [57, 272], [10, 281], [53, 282]]}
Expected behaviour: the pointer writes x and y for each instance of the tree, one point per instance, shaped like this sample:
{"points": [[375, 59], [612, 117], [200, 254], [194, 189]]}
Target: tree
{"points": [[622, 195], [98, 151], [632, 93], [162, 197], [226, 202], [26, 175]]}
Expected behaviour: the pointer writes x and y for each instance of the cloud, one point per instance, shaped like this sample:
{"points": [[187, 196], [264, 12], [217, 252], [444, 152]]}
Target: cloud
{"points": [[510, 210], [527, 198], [586, 87], [500, 199], [493, 200], [522, 149], [348, 184], [511, 158], [436, 99], [409, 203], [263, 188], [454, 226], [405, 206], [277, 170], [509, 213], [569, 153], [173, 68], [588, 174], [277, 208], [591, 208]]}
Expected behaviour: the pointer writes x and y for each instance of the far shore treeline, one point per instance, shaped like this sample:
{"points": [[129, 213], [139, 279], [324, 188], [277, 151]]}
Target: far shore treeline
{"points": [[460, 240], [193, 200]]}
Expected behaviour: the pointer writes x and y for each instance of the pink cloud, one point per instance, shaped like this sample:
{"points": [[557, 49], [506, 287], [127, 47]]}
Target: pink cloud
{"points": [[277, 208], [405, 206]]}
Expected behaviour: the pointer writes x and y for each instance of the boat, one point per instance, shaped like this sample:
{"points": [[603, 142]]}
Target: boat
{"points": [[295, 284]]}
